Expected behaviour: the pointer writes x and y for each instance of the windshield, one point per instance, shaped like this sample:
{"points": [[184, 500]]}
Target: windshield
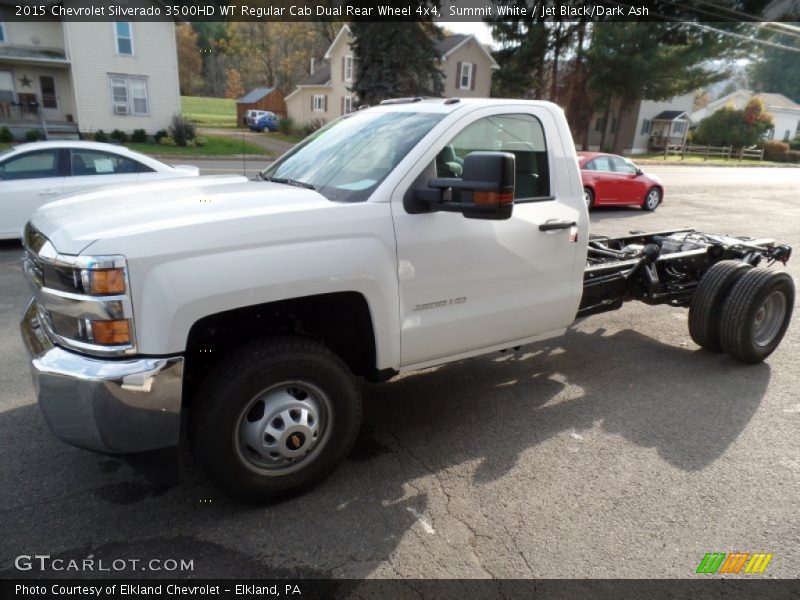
{"points": [[347, 159]]}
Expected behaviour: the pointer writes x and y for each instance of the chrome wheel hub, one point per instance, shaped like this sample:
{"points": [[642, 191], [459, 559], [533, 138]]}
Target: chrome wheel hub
{"points": [[769, 318], [283, 427], [652, 199]]}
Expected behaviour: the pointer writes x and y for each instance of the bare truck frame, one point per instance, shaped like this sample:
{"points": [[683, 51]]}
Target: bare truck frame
{"points": [[735, 305]]}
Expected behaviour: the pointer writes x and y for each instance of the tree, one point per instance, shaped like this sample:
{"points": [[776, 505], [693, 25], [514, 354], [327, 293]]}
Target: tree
{"points": [[396, 59], [233, 84], [190, 63], [777, 72], [635, 60], [737, 128]]}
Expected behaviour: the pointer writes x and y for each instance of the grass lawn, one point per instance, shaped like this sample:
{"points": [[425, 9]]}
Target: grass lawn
{"points": [[277, 135], [697, 159], [209, 112], [4, 147], [216, 145]]}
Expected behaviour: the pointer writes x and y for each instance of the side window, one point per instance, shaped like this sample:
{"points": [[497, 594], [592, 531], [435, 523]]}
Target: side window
{"points": [[93, 162], [32, 165], [522, 135], [602, 163], [623, 166], [590, 166]]}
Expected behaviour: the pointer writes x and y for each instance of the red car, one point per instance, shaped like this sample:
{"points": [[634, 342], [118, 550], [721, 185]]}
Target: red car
{"points": [[610, 180]]}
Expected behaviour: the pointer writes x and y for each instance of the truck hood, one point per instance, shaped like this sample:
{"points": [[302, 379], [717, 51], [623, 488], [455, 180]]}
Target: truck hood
{"points": [[75, 222]]}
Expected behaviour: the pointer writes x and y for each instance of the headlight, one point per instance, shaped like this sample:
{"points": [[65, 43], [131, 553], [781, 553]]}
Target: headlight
{"points": [[83, 301]]}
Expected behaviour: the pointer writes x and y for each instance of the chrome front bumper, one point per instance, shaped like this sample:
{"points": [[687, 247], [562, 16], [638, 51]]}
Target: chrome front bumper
{"points": [[110, 406]]}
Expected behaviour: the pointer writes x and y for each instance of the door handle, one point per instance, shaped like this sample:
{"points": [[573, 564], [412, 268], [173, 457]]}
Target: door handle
{"points": [[554, 225]]}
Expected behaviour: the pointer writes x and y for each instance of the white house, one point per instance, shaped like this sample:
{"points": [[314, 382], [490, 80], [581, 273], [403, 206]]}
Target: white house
{"points": [[785, 112], [64, 77], [466, 67], [656, 123]]}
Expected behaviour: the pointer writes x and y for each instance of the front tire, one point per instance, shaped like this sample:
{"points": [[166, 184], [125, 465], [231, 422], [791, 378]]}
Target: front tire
{"points": [[588, 197], [652, 199], [274, 419], [756, 314]]}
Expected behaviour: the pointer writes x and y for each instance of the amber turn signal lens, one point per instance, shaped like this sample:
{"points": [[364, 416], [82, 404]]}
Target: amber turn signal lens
{"points": [[493, 198], [104, 282], [111, 333]]}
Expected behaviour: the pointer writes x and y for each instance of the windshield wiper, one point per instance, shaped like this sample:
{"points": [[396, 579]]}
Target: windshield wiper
{"points": [[287, 181]]}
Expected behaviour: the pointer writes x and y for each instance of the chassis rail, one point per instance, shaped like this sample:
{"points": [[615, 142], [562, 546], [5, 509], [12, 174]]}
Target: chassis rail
{"points": [[662, 267]]}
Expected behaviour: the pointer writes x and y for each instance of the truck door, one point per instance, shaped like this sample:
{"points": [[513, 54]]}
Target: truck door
{"points": [[468, 284]]}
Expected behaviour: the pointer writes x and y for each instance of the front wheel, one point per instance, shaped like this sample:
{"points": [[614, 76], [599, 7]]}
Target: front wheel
{"points": [[588, 197], [275, 418], [756, 314], [652, 199]]}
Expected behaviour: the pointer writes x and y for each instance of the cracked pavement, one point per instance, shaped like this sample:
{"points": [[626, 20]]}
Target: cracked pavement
{"points": [[619, 450]]}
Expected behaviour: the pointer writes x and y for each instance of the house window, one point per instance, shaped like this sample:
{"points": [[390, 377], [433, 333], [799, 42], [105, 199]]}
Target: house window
{"points": [[614, 125], [129, 95], [786, 135], [318, 103], [678, 127], [600, 124], [2, 32], [348, 105], [798, 128], [465, 82], [645, 127], [348, 68], [124, 34]]}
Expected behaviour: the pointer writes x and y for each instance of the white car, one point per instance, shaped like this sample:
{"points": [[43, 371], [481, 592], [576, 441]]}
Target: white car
{"points": [[34, 174]]}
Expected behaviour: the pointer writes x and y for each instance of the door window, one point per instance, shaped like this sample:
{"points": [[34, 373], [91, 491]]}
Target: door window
{"points": [[92, 162], [48, 85], [522, 135], [31, 165], [623, 166], [601, 163]]}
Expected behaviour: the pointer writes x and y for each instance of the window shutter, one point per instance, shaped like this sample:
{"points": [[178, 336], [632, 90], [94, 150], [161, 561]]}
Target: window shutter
{"points": [[458, 75], [312, 102], [325, 103], [343, 68], [474, 70], [342, 104]]}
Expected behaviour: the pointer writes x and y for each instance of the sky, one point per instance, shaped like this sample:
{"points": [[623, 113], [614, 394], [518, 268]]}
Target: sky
{"points": [[480, 29]]}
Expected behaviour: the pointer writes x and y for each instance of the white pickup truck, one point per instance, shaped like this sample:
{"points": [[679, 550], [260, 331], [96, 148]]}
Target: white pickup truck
{"points": [[398, 237]]}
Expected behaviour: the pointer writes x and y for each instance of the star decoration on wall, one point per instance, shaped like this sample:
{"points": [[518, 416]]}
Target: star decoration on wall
{"points": [[25, 81]]}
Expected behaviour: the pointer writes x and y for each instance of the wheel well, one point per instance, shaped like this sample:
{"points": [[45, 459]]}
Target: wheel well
{"points": [[342, 321]]}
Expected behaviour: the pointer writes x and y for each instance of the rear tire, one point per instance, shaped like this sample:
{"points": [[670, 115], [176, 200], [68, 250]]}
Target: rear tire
{"points": [[274, 419], [707, 301], [588, 197], [756, 314], [652, 199]]}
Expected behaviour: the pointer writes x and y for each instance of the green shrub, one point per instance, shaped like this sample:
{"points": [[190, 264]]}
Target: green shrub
{"points": [[139, 136], [731, 127], [285, 125], [182, 130], [161, 133], [167, 141], [33, 135], [795, 143], [792, 156], [119, 136], [100, 136], [6, 136], [200, 141], [775, 151]]}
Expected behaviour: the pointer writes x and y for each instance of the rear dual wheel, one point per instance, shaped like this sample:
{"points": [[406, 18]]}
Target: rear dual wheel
{"points": [[741, 310]]}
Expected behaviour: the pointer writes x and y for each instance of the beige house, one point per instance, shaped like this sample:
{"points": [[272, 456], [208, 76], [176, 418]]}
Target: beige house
{"points": [[64, 77], [325, 94]]}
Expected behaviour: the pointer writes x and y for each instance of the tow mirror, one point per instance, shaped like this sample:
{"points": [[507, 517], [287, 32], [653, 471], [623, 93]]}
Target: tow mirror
{"points": [[485, 190]]}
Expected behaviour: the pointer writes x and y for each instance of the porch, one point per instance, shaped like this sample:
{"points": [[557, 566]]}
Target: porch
{"points": [[668, 128]]}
